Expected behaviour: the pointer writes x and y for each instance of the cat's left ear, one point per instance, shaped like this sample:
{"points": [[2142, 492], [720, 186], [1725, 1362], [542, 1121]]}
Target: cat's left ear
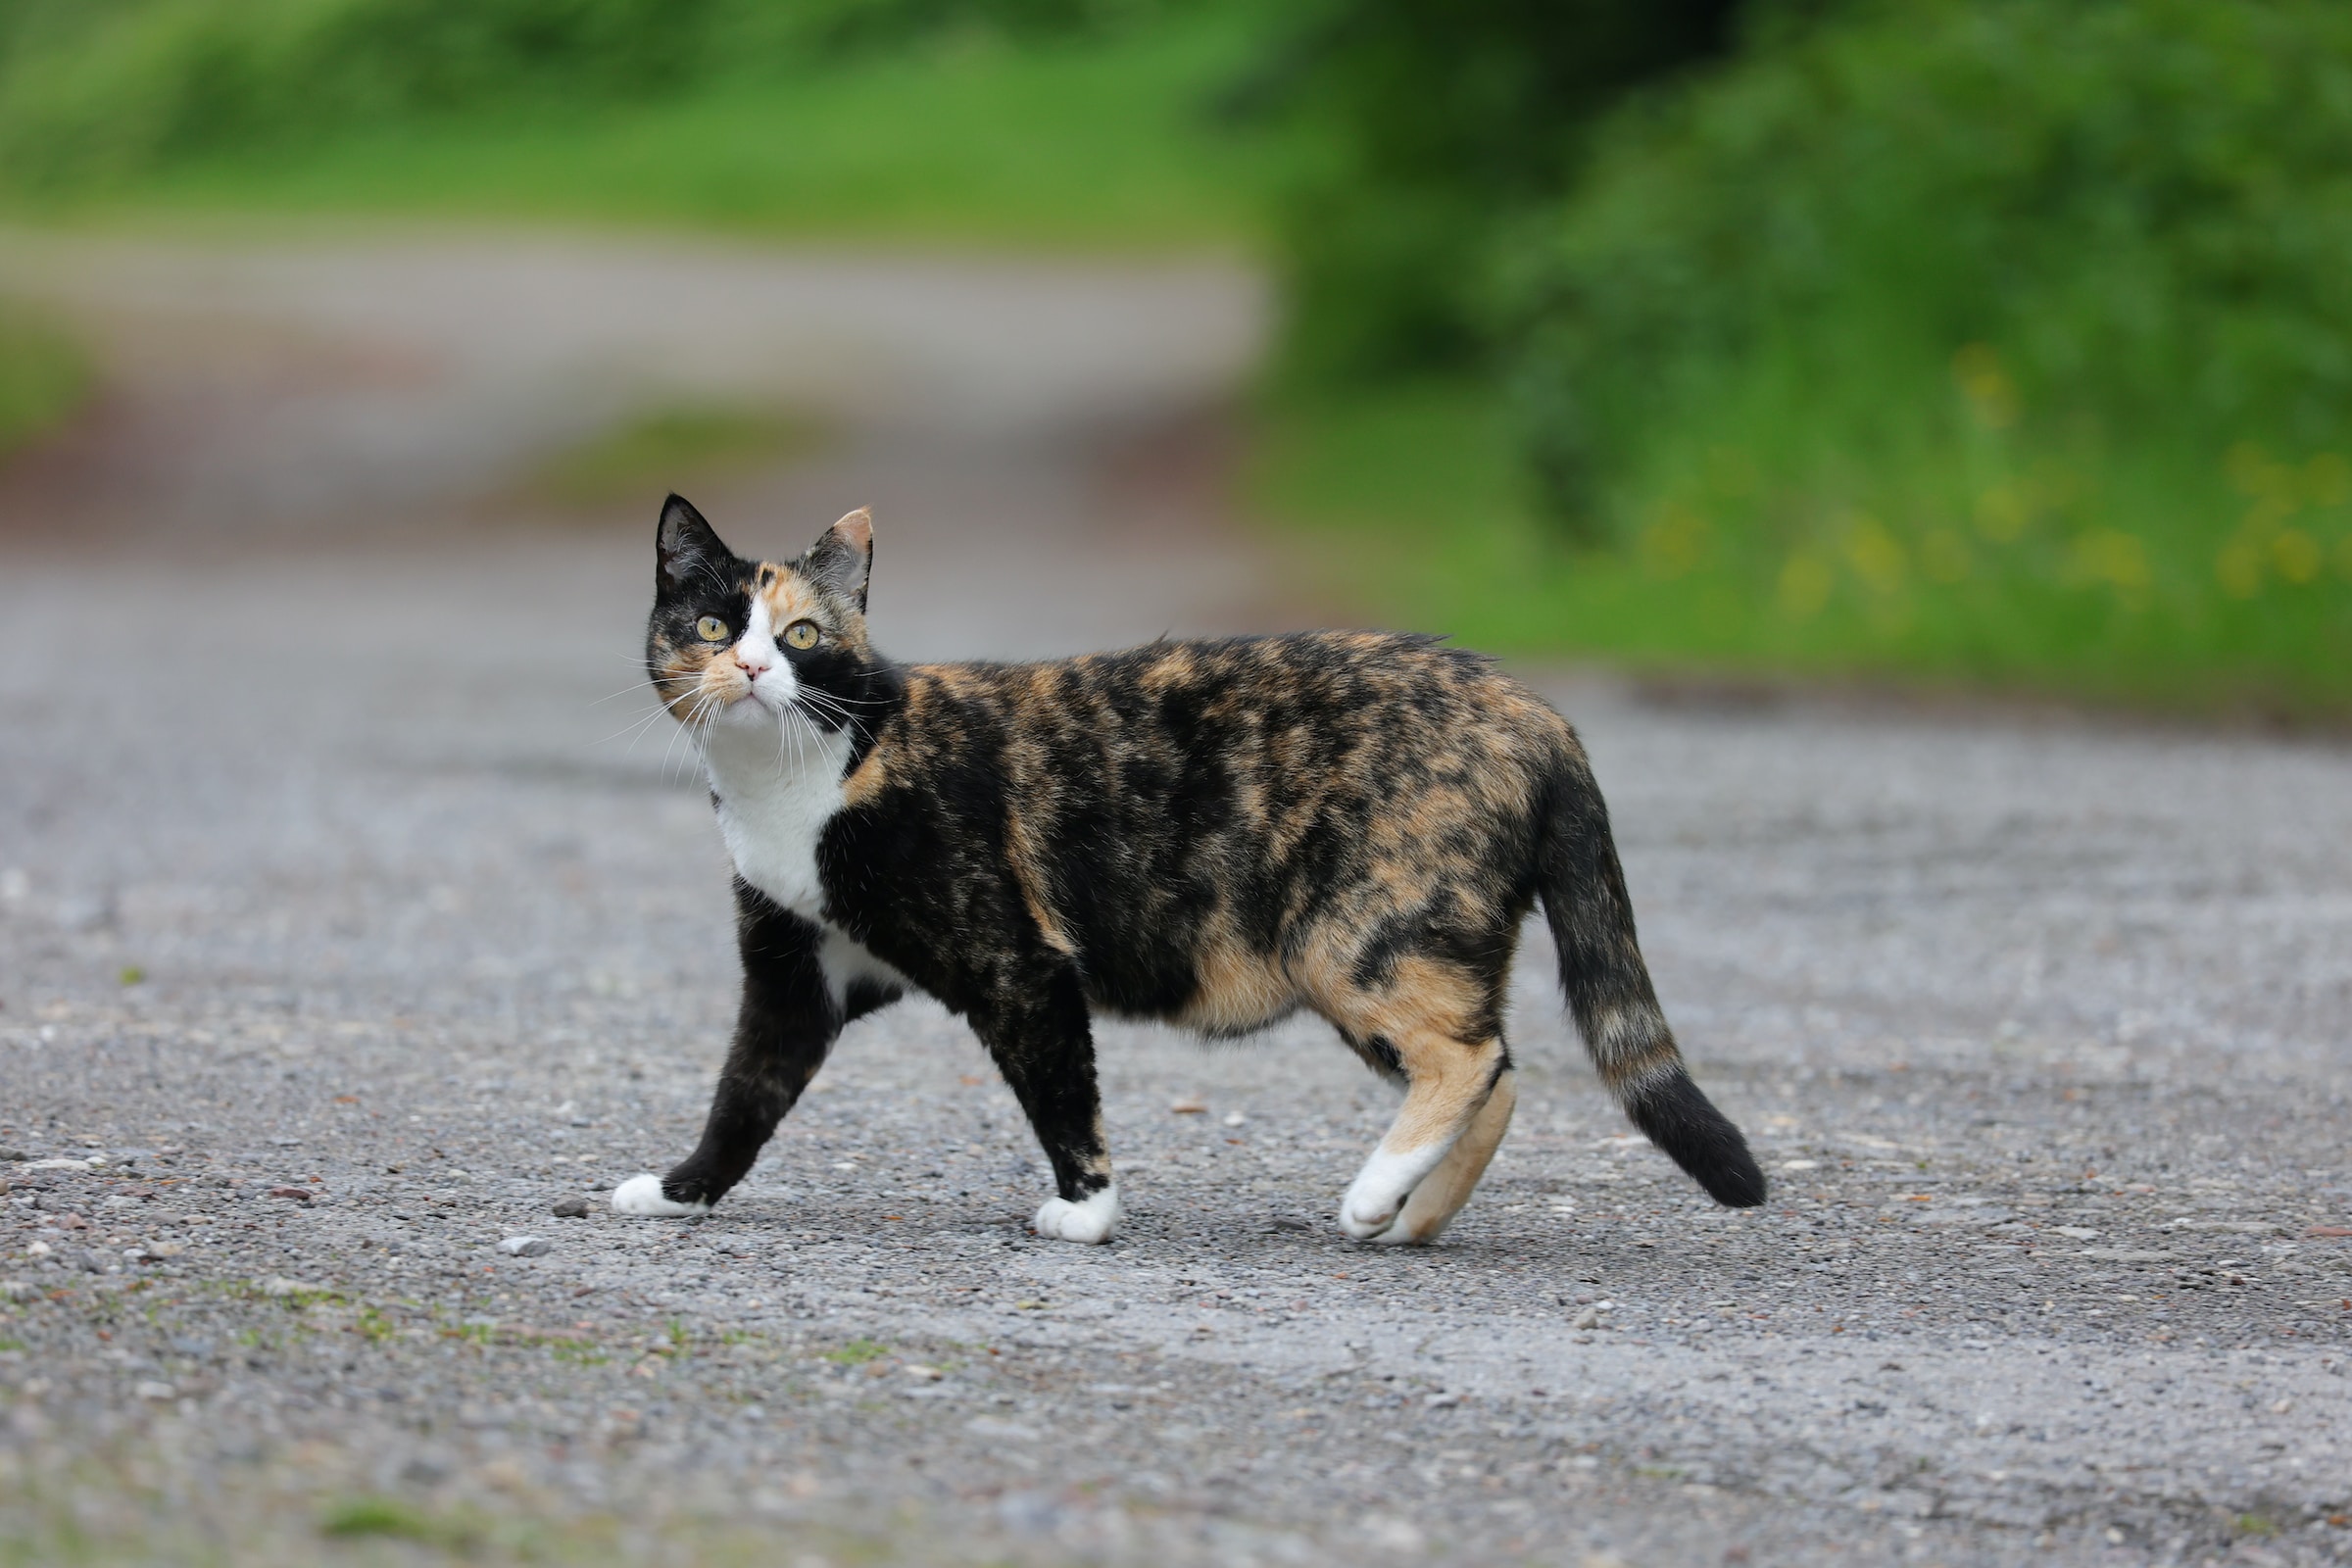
{"points": [[845, 557]]}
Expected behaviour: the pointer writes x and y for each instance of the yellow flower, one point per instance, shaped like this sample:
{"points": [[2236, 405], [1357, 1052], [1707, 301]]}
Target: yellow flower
{"points": [[1991, 395], [2327, 479], [2001, 513], [2239, 567], [1806, 584], [1876, 555], [2113, 556], [2297, 556]]}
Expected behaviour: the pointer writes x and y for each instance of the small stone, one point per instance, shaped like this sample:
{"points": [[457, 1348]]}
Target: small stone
{"points": [[526, 1245], [2081, 1233], [279, 1286], [925, 1374], [1187, 1107], [1236, 1119], [571, 1209], [18, 1290], [94, 1261], [159, 1392], [60, 1164], [2127, 1255], [14, 1156], [1589, 1319], [302, 1193], [1800, 1164]]}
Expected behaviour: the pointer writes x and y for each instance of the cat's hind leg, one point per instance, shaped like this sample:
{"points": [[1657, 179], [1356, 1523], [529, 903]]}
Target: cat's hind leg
{"points": [[1440, 1195], [1450, 1084], [786, 1021]]}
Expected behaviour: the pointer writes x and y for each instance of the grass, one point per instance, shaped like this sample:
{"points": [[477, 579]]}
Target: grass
{"points": [[43, 377], [675, 449], [2224, 583], [1098, 143], [388, 1516]]}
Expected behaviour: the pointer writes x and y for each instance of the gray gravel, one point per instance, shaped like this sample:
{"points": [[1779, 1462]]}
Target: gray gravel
{"points": [[340, 948]]}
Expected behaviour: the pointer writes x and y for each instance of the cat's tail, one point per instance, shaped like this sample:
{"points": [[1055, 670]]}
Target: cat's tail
{"points": [[1609, 993]]}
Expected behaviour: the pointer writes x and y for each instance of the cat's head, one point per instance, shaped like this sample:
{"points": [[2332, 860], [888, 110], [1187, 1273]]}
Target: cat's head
{"points": [[737, 642]]}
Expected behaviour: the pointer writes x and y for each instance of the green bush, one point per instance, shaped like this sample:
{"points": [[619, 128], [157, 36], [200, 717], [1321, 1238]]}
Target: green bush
{"points": [[2010, 332], [127, 85], [1438, 123]]}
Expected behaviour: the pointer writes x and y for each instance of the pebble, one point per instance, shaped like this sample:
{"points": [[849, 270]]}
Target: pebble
{"points": [[280, 1284], [525, 1245], [571, 1209], [302, 1193], [160, 1393]]}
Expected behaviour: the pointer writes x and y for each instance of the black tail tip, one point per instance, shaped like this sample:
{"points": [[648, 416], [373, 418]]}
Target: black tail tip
{"points": [[1701, 1139]]}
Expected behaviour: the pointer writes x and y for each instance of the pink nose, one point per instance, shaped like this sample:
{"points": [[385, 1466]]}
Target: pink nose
{"points": [[754, 668]]}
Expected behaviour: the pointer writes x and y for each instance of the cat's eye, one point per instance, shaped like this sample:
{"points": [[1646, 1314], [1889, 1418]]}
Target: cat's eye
{"points": [[710, 629], [801, 634]]}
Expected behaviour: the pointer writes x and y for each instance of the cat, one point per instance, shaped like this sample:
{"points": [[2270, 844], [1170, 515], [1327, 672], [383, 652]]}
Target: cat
{"points": [[1212, 833]]}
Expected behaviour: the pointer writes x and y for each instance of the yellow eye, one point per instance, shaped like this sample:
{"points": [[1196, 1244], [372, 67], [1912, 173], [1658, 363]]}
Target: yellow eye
{"points": [[801, 634], [710, 629]]}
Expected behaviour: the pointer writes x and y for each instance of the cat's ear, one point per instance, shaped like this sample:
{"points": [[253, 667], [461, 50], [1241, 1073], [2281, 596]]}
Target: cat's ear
{"points": [[845, 557], [685, 545]]}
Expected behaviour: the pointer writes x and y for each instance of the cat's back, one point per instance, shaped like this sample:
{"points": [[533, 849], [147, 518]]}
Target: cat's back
{"points": [[1370, 706]]}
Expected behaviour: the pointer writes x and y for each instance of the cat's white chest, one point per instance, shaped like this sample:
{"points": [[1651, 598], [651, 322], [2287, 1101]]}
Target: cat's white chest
{"points": [[773, 803]]}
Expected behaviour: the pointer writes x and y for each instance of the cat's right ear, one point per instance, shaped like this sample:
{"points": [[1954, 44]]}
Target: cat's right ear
{"points": [[684, 544]]}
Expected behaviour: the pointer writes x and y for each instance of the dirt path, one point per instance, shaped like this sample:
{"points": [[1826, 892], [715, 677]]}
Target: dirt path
{"points": [[324, 866]]}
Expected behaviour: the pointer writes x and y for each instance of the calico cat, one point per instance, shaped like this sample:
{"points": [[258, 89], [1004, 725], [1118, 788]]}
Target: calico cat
{"points": [[1212, 833]]}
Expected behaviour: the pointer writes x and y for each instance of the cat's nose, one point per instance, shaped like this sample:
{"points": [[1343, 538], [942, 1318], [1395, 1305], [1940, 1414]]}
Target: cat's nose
{"points": [[753, 668]]}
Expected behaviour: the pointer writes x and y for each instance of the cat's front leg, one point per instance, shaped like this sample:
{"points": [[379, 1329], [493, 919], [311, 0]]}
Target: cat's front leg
{"points": [[786, 1021], [1040, 1037]]}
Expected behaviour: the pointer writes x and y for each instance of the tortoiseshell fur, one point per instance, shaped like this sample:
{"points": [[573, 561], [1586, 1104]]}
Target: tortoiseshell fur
{"points": [[1212, 833]]}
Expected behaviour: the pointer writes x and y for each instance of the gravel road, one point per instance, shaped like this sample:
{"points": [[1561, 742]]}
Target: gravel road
{"points": [[346, 933]]}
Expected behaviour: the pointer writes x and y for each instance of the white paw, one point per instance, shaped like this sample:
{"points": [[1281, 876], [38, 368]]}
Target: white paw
{"points": [[1088, 1221], [642, 1194], [1366, 1220], [1377, 1194]]}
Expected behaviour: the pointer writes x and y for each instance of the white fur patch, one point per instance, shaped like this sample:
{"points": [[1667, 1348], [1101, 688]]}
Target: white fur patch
{"points": [[1377, 1194], [845, 963], [778, 782], [1089, 1220], [777, 777], [642, 1194]]}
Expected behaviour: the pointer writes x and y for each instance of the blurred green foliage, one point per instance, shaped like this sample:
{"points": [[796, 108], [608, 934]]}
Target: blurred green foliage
{"points": [[104, 88], [682, 448], [2006, 340], [2010, 332], [43, 376], [1439, 124]]}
